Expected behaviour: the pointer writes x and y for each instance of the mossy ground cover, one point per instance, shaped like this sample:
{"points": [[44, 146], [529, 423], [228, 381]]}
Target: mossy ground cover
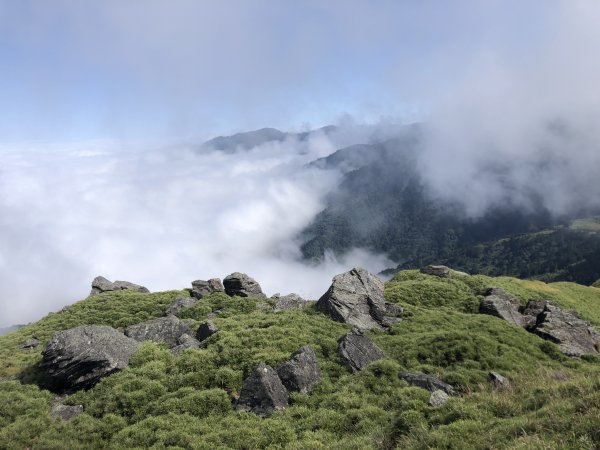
{"points": [[185, 402]]}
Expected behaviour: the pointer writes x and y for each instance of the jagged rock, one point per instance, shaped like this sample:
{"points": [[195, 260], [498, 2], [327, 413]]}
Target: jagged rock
{"points": [[356, 350], [201, 288], [163, 329], [574, 336], [356, 297], [30, 343], [289, 302], [501, 304], [438, 398], [184, 342], [301, 372], [206, 330], [263, 392], [437, 271], [426, 382], [79, 357], [242, 285], [498, 380], [179, 304], [101, 284], [66, 412], [531, 312]]}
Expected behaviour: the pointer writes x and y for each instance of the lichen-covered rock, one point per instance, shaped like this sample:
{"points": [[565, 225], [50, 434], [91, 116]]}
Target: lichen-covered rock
{"points": [[301, 372], [101, 284], [426, 382], [356, 350], [438, 398], [356, 297], [202, 288], [574, 336], [206, 330], [179, 304], [163, 329], [501, 304], [437, 271], [79, 357], [242, 285], [289, 302], [263, 392]]}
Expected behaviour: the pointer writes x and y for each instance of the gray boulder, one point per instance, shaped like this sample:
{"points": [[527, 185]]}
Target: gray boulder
{"points": [[30, 343], [289, 302], [202, 288], [179, 304], [66, 412], [356, 297], [101, 284], [356, 350], [206, 330], [301, 372], [263, 392], [501, 304], [79, 357], [163, 329], [184, 342], [499, 381], [428, 382], [531, 312], [242, 285], [437, 271], [574, 336], [438, 398]]}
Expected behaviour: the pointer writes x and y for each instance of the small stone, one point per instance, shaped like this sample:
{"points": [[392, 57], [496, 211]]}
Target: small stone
{"points": [[498, 380], [438, 398], [428, 382]]}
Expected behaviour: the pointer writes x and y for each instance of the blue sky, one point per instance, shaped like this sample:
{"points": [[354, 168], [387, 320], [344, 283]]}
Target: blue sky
{"points": [[128, 69]]}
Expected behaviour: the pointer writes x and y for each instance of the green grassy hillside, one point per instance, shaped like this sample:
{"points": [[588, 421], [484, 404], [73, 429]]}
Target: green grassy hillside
{"points": [[184, 402]]}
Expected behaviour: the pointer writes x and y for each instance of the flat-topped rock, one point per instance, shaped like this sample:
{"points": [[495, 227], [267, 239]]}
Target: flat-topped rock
{"points": [[356, 297], [437, 271], [428, 382], [79, 357], [356, 350], [163, 329], [263, 392], [242, 285], [101, 284], [202, 288]]}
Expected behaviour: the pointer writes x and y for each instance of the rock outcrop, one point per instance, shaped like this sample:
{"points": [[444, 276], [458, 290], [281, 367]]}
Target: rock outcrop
{"points": [[179, 304], [206, 330], [101, 284], [289, 302], [426, 382], [437, 271], [79, 357], [202, 288], [501, 304], [301, 372], [163, 329], [263, 392], [574, 336], [356, 297], [356, 350], [242, 285]]}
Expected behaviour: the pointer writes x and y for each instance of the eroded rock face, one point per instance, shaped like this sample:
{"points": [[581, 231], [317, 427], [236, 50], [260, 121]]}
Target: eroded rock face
{"points": [[101, 284], [263, 392], [202, 288], [79, 357], [206, 330], [426, 382], [501, 304], [356, 350], [574, 336], [242, 285], [437, 271], [163, 329], [179, 304], [289, 302], [301, 372], [356, 297]]}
